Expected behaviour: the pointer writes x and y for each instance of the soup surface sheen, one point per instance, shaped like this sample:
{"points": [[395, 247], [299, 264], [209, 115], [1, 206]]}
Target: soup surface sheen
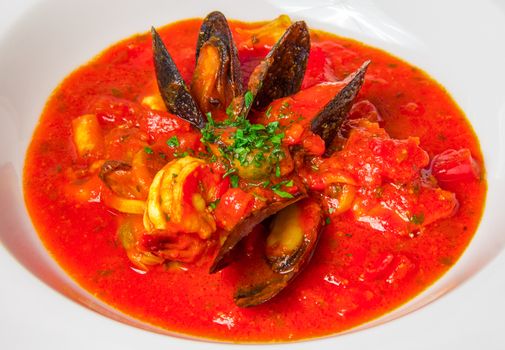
{"points": [[356, 274]]}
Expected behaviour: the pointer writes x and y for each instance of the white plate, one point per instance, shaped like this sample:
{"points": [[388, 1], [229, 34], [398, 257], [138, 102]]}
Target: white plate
{"points": [[460, 43]]}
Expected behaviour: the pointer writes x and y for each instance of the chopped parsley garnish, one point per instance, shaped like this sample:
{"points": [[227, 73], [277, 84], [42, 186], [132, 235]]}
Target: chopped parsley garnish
{"points": [[148, 150], [282, 194], [277, 188], [173, 142], [327, 221], [234, 181], [181, 155], [268, 112], [248, 144], [214, 204], [248, 99], [417, 219], [229, 171], [277, 170]]}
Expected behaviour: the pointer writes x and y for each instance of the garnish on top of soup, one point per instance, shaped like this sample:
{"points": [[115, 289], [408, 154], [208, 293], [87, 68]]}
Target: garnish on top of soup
{"points": [[271, 183]]}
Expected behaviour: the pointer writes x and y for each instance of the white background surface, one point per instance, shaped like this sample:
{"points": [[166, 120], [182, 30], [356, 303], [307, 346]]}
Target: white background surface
{"points": [[31, 316]]}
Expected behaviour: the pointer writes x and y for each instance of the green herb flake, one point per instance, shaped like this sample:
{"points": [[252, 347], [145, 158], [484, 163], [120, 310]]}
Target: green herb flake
{"points": [[209, 119], [116, 92], [282, 194], [173, 142], [181, 155], [148, 150], [234, 181], [277, 170], [248, 99], [246, 143], [268, 112], [289, 183], [417, 219], [327, 221], [214, 204], [229, 110], [229, 171]]}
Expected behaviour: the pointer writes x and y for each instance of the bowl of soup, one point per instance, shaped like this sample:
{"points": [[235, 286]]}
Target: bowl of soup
{"points": [[270, 176]]}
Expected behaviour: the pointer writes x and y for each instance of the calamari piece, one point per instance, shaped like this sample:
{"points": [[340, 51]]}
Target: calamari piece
{"points": [[267, 34], [124, 205], [216, 26], [244, 228], [289, 247], [175, 203], [327, 122], [173, 90], [281, 73], [88, 136]]}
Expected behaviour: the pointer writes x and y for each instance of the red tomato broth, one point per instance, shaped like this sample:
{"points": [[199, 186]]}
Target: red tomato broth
{"points": [[356, 274]]}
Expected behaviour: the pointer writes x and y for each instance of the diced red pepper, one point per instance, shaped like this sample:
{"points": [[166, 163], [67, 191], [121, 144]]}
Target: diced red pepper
{"points": [[319, 68], [455, 165], [403, 268], [313, 144], [160, 125], [234, 206]]}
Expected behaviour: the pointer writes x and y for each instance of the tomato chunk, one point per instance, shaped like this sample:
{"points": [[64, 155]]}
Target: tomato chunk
{"points": [[319, 68], [233, 207], [455, 165], [372, 156]]}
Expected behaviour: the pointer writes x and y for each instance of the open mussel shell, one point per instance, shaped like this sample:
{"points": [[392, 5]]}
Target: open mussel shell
{"points": [[329, 120], [173, 90], [256, 294], [281, 73], [215, 25], [291, 254], [244, 228], [213, 86], [293, 235]]}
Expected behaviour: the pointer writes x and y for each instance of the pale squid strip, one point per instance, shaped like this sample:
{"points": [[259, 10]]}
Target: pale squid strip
{"points": [[87, 136], [154, 216], [172, 184], [154, 102], [124, 205], [339, 177], [345, 199]]}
